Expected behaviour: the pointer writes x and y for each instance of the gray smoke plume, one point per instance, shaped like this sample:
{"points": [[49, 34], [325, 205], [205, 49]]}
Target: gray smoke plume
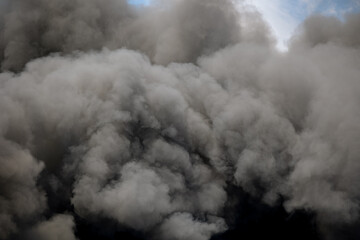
{"points": [[181, 32], [149, 117], [59, 227]]}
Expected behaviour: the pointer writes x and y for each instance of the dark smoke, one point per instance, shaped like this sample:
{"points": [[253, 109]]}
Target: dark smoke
{"points": [[179, 120]]}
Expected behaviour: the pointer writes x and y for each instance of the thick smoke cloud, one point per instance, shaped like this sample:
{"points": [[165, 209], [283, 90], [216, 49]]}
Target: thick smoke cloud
{"points": [[168, 138], [59, 227], [181, 32], [36, 28]]}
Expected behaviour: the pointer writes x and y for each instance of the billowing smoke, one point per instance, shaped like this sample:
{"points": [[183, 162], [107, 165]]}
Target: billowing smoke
{"points": [[179, 120]]}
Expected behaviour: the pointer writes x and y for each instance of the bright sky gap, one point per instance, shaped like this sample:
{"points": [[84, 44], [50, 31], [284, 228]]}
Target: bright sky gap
{"points": [[283, 16]]}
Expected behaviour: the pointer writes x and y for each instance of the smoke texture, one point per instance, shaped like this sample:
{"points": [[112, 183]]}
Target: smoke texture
{"points": [[179, 120]]}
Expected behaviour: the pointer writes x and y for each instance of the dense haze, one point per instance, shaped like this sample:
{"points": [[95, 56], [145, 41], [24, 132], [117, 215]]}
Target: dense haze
{"points": [[179, 121]]}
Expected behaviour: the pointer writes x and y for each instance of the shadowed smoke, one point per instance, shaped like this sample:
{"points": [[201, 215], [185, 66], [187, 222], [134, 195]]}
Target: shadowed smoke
{"points": [[179, 120]]}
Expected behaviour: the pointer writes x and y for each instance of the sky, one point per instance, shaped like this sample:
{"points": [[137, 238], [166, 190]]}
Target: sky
{"points": [[140, 2], [284, 16]]}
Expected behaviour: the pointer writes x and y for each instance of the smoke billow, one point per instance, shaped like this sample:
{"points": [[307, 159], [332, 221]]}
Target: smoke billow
{"points": [[176, 121]]}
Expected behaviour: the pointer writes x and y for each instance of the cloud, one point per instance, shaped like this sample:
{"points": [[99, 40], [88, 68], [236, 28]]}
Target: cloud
{"points": [[59, 227]]}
